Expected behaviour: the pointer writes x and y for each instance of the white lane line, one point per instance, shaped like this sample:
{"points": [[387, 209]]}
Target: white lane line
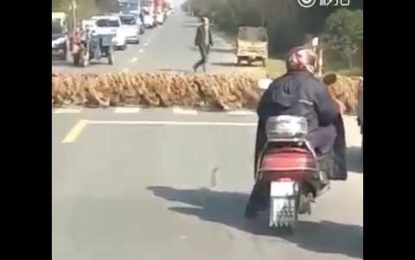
{"points": [[146, 44], [133, 60], [126, 110], [241, 113], [126, 70], [75, 132], [173, 123], [140, 50], [67, 111], [181, 111]]}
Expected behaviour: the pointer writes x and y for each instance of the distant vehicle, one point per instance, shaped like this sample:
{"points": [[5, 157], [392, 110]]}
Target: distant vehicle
{"points": [[59, 35], [160, 11], [167, 6], [128, 6], [88, 47], [140, 23], [88, 25], [111, 24], [129, 23], [147, 9], [252, 44], [132, 7], [160, 17]]}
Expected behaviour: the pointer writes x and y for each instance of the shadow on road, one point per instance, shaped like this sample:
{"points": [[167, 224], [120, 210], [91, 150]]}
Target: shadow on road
{"points": [[70, 64], [222, 50], [190, 25], [62, 63], [224, 64], [233, 64], [217, 50], [355, 159], [176, 70], [227, 208]]}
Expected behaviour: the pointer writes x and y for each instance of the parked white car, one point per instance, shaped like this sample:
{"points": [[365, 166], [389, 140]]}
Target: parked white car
{"points": [[111, 25], [130, 26]]}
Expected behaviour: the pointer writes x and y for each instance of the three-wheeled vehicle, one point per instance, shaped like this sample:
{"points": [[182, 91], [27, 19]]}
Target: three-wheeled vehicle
{"points": [[252, 45], [92, 47]]}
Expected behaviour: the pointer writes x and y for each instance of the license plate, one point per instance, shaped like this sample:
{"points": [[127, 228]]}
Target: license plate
{"points": [[282, 189]]}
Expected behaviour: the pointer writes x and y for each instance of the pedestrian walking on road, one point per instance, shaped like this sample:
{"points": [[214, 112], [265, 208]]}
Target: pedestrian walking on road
{"points": [[203, 41]]}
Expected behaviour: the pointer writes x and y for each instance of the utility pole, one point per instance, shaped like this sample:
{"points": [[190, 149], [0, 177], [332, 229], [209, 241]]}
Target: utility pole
{"points": [[320, 62], [73, 8], [318, 49]]}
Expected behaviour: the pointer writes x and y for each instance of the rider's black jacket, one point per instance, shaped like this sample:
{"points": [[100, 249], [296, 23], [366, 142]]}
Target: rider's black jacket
{"points": [[300, 94]]}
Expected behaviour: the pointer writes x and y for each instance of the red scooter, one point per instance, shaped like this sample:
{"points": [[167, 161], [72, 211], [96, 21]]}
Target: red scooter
{"points": [[289, 164]]}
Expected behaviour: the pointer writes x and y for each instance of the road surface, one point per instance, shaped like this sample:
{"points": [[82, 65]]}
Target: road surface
{"points": [[131, 184], [167, 47]]}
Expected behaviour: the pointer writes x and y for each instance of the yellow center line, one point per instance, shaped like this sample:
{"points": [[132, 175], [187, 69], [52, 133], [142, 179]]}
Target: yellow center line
{"points": [[75, 131]]}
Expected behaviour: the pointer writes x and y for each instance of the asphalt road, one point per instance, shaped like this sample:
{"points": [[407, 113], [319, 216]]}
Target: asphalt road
{"points": [[131, 184], [167, 47], [172, 184]]}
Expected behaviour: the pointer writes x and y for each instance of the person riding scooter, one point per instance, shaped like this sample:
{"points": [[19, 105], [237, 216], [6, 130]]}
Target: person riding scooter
{"points": [[76, 39], [299, 93]]}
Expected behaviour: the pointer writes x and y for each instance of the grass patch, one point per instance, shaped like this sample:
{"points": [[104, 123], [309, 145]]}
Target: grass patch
{"points": [[229, 37], [350, 72], [275, 67], [340, 67]]}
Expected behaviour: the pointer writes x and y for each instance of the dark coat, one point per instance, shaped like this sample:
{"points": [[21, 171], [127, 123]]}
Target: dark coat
{"points": [[201, 34], [301, 94]]}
